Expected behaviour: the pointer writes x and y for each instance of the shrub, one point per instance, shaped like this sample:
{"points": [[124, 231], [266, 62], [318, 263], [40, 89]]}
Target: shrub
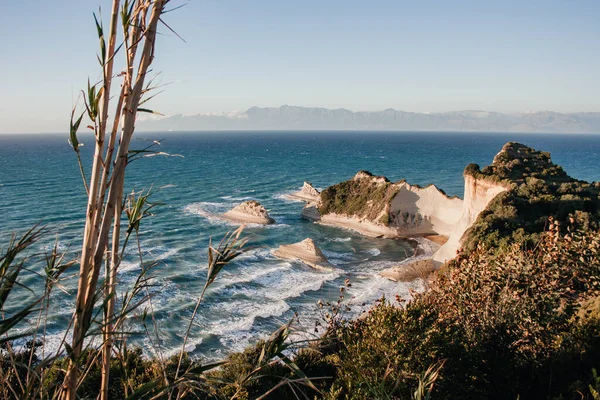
{"points": [[507, 325]]}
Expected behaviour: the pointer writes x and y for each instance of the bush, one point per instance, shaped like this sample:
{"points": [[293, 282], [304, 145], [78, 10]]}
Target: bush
{"points": [[506, 325]]}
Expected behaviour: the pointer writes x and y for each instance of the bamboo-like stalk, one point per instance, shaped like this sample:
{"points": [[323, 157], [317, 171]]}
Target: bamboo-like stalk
{"points": [[131, 37], [112, 265], [108, 71], [104, 212]]}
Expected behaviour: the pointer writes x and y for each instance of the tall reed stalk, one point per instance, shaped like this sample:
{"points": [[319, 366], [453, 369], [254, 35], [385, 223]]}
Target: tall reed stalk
{"points": [[139, 21]]}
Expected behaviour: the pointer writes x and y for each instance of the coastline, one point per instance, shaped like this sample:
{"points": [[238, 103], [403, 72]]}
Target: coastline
{"points": [[363, 227]]}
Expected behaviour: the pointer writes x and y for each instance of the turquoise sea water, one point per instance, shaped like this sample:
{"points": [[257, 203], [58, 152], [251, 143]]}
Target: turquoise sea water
{"points": [[40, 183]]}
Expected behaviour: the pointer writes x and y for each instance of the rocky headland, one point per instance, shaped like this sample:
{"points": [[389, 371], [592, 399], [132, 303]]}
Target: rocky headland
{"points": [[305, 251], [248, 212], [374, 206]]}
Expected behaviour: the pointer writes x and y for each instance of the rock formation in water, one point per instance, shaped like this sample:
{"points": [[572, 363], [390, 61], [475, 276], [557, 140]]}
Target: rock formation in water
{"points": [[311, 212], [377, 207], [249, 212], [410, 271], [308, 194], [305, 251]]}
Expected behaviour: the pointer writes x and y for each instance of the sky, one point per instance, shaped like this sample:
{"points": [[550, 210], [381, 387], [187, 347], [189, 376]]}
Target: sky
{"points": [[420, 56]]}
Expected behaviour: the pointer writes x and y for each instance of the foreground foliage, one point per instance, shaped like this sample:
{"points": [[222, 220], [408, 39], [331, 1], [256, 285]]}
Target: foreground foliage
{"points": [[520, 324]]}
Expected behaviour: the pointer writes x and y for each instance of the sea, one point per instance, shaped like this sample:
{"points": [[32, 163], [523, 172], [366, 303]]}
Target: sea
{"points": [[201, 174]]}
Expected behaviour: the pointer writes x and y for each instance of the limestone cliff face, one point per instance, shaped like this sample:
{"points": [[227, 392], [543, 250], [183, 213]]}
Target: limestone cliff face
{"points": [[375, 206], [478, 194], [416, 211]]}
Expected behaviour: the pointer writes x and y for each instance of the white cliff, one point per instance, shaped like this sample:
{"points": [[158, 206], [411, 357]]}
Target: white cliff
{"points": [[385, 209], [478, 194], [419, 211]]}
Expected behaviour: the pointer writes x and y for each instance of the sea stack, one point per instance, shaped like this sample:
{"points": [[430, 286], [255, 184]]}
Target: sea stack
{"points": [[249, 212], [308, 194], [410, 271], [305, 251]]}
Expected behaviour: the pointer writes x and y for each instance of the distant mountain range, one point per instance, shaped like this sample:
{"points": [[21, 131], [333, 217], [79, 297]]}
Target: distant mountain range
{"points": [[312, 118]]}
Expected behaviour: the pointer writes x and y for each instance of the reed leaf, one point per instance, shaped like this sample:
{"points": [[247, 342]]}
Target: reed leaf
{"points": [[100, 31], [229, 248], [74, 127]]}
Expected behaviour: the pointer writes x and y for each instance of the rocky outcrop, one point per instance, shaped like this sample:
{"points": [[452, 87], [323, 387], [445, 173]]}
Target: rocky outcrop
{"points": [[308, 194], [374, 206], [410, 271], [311, 212], [366, 175], [305, 251], [478, 194], [249, 212]]}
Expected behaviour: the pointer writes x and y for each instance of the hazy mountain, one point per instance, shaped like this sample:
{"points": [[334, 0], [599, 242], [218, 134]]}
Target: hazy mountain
{"points": [[312, 118]]}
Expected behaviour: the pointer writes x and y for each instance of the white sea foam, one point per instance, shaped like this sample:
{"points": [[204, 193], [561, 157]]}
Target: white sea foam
{"points": [[236, 198], [127, 266], [344, 257], [286, 197], [247, 275], [426, 246], [340, 239], [374, 252], [151, 255], [241, 315], [209, 211], [285, 283]]}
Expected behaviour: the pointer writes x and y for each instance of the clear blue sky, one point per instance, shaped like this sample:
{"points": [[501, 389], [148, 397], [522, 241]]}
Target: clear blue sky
{"points": [[423, 56]]}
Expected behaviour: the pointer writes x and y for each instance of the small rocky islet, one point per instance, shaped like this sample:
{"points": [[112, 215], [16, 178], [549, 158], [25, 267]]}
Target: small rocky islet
{"points": [[249, 212], [305, 251]]}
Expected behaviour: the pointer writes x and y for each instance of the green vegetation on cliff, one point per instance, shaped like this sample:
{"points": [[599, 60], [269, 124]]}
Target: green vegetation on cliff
{"points": [[364, 196], [539, 189], [500, 327]]}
